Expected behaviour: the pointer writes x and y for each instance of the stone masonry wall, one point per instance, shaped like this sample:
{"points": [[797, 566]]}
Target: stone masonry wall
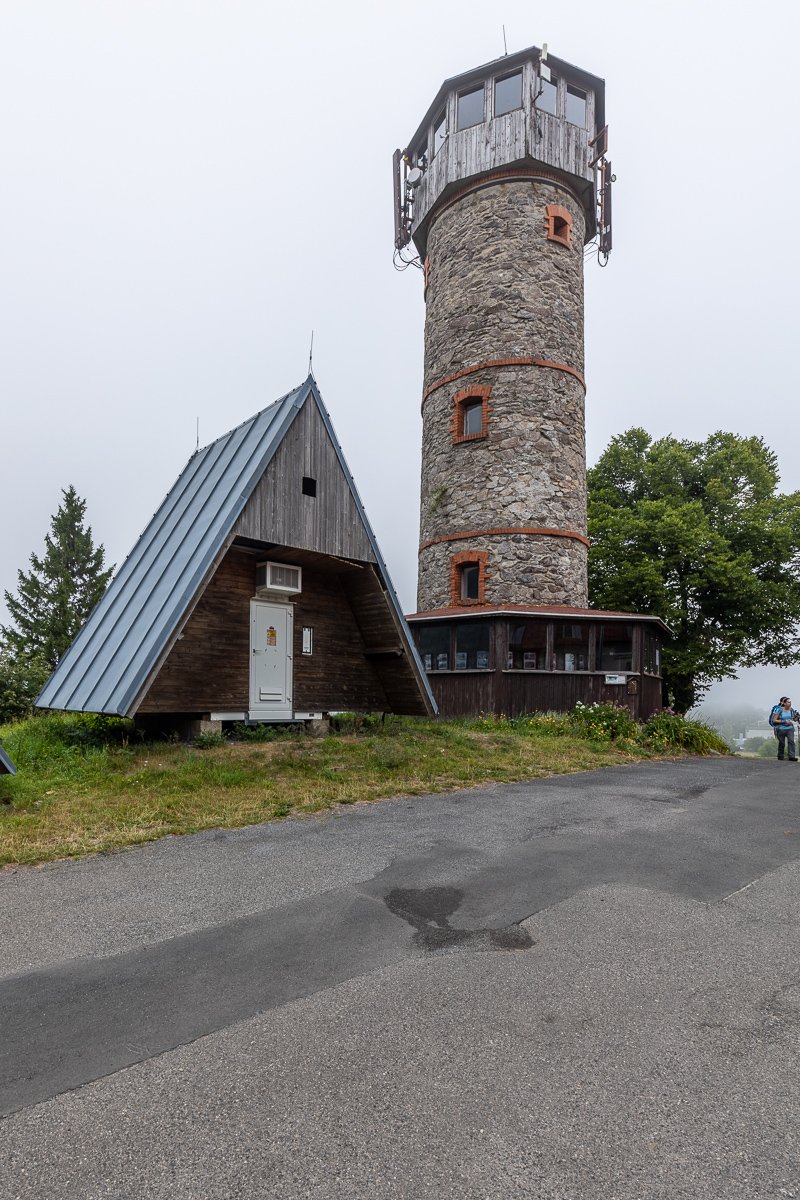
{"points": [[499, 289], [521, 569]]}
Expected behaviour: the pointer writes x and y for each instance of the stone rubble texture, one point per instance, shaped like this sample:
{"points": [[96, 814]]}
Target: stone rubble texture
{"points": [[500, 289]]}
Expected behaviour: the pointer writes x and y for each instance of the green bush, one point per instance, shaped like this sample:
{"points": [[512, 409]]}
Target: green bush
{"points": [[604, 721], [669, 730]]}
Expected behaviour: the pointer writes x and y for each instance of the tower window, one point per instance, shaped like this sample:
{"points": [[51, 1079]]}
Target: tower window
{"points": [[575, 110], [439, 132], [547, 100], [470, 108], [468, 577], [471, 414], [508, 94], [558, 222], [309, 486], [473, 417]]}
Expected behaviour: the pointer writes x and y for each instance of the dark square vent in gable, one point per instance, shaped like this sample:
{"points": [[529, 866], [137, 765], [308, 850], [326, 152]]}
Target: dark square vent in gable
{"points": [[309, 486]]}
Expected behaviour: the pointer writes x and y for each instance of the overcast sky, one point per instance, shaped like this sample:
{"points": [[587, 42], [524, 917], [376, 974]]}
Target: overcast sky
{"points": [[190, 188]]}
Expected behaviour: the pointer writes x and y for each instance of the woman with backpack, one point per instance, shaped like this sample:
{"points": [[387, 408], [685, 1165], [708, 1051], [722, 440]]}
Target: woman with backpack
{"points": [[782, 718]]}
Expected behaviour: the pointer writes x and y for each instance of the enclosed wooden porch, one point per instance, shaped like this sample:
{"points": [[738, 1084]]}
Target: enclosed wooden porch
{"points": [[518, 659]]}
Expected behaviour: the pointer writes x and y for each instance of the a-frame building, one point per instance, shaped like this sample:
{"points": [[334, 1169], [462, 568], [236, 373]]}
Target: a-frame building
{"points": [[257, 592]]}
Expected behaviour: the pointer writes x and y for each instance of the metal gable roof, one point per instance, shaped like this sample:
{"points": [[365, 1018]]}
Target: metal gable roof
{"points": [[109, 662]]}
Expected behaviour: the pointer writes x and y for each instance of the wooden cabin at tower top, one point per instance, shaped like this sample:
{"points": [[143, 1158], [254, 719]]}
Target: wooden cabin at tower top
{"points": [[257, 592], [527, 108]]}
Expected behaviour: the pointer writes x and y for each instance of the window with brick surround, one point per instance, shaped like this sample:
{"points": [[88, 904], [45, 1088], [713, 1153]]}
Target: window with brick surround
{"points": [[468, 578], [471, 414], [558, 222]]}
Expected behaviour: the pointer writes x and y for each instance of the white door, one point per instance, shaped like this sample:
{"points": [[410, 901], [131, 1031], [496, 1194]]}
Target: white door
{"points": [[271, 627]]}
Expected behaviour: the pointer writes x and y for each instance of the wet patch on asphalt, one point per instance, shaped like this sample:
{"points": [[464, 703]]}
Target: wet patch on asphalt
{"points": [[428, 911]]}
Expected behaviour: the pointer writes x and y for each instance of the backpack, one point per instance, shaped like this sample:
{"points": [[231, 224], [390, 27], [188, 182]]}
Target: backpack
{"points": [[774, 720]]}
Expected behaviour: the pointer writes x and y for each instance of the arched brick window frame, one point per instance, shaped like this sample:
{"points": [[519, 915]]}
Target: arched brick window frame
{"points": [[467, 558], [558, 221], [461, 401]]}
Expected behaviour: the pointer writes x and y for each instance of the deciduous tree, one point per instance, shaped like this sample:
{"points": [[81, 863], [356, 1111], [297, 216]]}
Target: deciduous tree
{"points": [[697, 533]]}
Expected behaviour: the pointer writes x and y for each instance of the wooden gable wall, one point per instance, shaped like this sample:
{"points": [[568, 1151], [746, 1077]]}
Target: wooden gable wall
{"points": [[208, 668], [279, 512]]}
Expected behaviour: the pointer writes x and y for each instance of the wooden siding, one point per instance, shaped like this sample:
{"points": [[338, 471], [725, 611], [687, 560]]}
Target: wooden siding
{"points": [[514, 693], [208, 668], [464, 693], [383, 644], [338, 675], [522, 134], [278, 512], [357, 660]]}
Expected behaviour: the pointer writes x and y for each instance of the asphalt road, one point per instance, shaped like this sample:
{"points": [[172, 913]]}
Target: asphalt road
{"points": [[580, 987]]}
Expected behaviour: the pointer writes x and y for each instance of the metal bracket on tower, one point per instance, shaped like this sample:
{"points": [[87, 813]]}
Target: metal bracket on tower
{"points": [[603, 180], [402, 200]]}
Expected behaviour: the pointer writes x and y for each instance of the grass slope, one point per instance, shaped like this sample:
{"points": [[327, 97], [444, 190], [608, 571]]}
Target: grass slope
{"points": [[85, 785]]}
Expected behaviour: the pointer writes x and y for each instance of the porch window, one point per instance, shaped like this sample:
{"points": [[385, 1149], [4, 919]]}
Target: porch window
{"points": [[434, 646], [571, 647], [527, 646], [472, 646], [615, 647], [652, 654]]}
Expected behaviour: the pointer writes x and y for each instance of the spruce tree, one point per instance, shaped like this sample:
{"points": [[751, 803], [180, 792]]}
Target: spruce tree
{"points": [[56, 596]]}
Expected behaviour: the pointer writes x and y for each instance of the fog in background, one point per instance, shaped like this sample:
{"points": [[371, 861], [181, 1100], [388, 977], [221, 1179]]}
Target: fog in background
{"points": [[190, 188]]}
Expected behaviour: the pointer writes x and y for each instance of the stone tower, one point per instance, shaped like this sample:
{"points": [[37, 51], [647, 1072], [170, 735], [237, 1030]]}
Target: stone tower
{"points": [[502, 186]]}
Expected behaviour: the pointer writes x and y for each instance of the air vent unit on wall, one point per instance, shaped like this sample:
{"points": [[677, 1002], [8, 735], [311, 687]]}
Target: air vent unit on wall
{"points": [[279, 577]]}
